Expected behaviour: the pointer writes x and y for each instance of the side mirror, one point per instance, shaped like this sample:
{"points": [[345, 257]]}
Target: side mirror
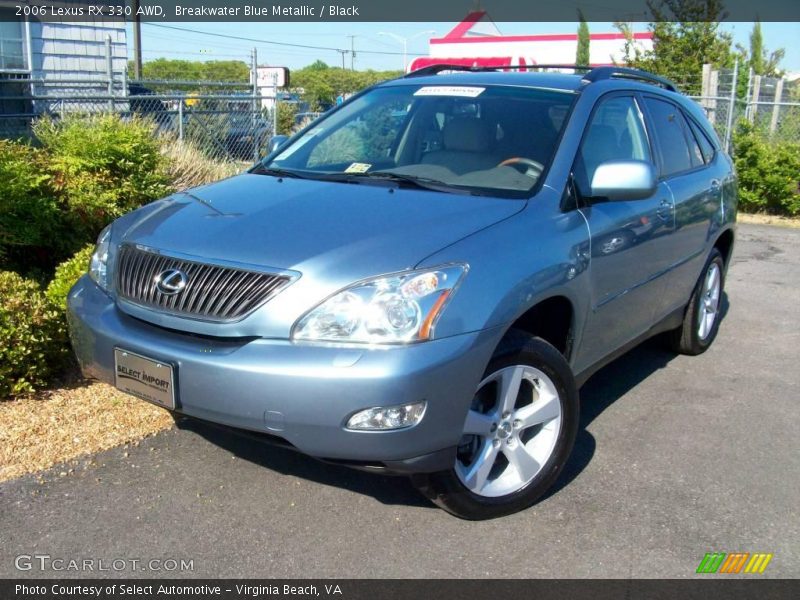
{"points": [[276, 142], [624, 180]]}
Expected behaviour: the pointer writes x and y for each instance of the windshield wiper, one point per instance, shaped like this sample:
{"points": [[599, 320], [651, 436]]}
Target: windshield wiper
{"points": [[260, 169], [419, 182]]}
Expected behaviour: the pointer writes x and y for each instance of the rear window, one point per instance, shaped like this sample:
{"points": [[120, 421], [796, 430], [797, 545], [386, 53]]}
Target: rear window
{"points": [[706, 147], [670, 136]]}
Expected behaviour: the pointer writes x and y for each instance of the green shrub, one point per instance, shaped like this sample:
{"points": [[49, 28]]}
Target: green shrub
{"points": [[34, 347], [29, 213], [67, 273], [287, 111], [101, 167], [769, 173]]}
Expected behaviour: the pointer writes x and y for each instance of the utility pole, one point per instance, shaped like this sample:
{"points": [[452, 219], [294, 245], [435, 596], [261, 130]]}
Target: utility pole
{"points": [[254, 77], [352, 52], [342, 52], [137, 42], [404, 41]]}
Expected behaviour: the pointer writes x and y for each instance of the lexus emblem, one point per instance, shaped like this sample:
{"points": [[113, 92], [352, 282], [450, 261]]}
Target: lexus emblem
{"points": [[171, 281]]}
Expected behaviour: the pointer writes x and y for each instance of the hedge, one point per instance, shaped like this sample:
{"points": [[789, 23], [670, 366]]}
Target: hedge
{"points": [[34, 347], [85, 172], [67, 273], [56, 196], [769, 172]]}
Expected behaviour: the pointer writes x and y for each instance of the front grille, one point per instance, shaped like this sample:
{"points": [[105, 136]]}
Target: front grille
{"points": [[212, 292]]}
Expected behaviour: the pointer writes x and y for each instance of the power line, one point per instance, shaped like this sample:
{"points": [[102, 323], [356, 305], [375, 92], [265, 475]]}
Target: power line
{"points": [[286, 44]]}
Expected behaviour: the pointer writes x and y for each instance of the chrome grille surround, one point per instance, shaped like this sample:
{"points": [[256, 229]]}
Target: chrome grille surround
{"points": [[212, 292]]}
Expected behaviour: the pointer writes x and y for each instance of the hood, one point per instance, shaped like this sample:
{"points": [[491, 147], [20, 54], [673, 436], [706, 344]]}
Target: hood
{"points": [[345, 231]]}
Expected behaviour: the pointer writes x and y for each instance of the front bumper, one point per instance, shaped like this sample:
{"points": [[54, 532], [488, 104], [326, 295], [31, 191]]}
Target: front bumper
{"points": [[302, 393]]}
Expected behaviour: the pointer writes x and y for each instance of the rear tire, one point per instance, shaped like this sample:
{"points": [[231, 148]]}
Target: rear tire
{"points": [[518, 434], [702, 318]]}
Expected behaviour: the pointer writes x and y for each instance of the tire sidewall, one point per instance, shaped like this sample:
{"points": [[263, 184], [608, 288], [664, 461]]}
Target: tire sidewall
{"points": [[698, 343], [451, 494]]}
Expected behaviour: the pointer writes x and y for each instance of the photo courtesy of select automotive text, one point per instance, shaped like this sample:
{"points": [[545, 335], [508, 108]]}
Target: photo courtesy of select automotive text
{"points": [[367, 299]]}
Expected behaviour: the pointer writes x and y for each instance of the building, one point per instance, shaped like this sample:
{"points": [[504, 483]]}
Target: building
{"points": [[42, 63], [477, 41]]}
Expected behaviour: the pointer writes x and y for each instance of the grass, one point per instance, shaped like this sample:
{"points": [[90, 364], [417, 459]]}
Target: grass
{"points": [[189, 167]]}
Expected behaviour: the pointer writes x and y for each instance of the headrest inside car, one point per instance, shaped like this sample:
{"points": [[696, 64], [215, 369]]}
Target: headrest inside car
{"points": [[466, 134]]}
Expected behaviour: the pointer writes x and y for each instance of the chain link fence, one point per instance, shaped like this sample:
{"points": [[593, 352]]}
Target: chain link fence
{"points": [[770, 104], [225, 121]]}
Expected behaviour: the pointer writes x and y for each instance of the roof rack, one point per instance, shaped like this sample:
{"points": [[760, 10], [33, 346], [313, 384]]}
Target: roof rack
{"points": [[592, 73], [438, 68], [602, 73]]}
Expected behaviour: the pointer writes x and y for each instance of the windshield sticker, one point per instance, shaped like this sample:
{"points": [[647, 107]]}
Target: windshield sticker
{"points": [[358, 168], [449, 90]]}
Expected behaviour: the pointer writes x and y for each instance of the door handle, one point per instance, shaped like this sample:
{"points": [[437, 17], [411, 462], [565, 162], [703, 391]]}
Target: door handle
{"points": [[664, 210]]}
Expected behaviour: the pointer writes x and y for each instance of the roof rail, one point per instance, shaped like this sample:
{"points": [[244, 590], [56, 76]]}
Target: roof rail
{"points": [[438, 68], [602, 73], [592, 73]]}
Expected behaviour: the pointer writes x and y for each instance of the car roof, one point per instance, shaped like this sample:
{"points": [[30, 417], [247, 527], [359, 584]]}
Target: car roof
{"points": [[568, 82], [607, 78]]}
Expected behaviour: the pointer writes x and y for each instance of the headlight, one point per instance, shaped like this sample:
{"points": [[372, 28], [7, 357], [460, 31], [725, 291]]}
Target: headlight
{"points": [[98, 265], [384, 310]]}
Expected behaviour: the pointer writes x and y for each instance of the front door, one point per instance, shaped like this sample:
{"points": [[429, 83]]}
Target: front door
{"points": [[628, 238]]}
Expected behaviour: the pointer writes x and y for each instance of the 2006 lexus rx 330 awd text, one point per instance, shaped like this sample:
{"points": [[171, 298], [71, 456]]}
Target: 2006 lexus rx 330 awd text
{"points": [[420, 281]]}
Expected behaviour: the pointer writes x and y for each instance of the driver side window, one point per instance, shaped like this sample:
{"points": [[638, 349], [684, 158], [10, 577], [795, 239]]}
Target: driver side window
{"points": [[615, 132]]}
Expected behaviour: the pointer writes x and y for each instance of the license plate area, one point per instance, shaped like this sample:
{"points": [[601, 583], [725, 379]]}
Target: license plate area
{"points": [[146, 378]]}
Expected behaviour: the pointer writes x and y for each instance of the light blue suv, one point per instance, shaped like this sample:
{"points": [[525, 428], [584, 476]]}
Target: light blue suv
{"points": [[420, 281]]}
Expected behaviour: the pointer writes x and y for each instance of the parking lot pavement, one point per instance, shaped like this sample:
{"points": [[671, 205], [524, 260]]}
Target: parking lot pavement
{"points": [[676, 457]]}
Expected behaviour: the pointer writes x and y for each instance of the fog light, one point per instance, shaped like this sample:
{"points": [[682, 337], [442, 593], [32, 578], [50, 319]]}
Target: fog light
{"points": [[388, 417]]}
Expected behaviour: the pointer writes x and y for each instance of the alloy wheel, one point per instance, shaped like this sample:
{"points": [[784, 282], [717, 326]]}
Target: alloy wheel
{"points": [[510, 431], [709, 301]]}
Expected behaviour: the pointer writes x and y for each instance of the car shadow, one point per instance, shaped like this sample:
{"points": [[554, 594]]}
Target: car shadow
{"points": [[601, 391], [607, 386], [384, 488]]}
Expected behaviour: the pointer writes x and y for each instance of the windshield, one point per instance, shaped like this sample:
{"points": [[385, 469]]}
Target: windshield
{"points": [[494, 140]]}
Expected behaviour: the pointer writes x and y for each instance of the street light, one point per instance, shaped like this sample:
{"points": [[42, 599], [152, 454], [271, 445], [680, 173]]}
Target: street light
{"points": [[404, 41]]}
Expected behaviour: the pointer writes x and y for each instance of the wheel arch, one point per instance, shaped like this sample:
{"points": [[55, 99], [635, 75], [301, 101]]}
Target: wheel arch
{"points": [[724, 243], [552, 319]]}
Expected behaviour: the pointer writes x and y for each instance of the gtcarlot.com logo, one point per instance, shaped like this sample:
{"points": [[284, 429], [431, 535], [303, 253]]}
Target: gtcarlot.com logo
{"points": [[46, 562], [734, 562]]}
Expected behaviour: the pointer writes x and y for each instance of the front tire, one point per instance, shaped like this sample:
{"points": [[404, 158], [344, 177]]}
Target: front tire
{"points": [[702, 317], [518, 433]]}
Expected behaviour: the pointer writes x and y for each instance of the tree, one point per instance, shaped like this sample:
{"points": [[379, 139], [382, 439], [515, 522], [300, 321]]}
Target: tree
{"points": [[190, 70], [317, 65], [686, 36], [582, 55], [321, 83], [762, 61]]}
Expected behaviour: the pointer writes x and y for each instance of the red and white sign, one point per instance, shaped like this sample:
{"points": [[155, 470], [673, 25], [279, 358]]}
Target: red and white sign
{"points": [[476, 41]]}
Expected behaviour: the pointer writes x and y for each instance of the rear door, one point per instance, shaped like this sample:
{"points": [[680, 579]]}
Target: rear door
{"points": [[686, 165], [628, 238]]}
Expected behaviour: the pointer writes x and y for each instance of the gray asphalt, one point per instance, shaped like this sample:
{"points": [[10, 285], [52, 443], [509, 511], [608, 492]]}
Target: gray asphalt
{"points": [[676, 457]]}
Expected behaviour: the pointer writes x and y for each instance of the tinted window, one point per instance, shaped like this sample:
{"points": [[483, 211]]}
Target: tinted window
{"points": [[616, 132], [706, 147], [670, 137]]}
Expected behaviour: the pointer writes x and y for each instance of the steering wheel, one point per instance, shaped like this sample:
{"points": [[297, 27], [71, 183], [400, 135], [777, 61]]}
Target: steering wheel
{"points": [[533, 169]]}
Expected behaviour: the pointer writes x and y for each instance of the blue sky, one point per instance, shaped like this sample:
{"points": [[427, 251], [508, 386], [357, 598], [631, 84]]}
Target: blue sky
{"points": [[162, 42]]}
